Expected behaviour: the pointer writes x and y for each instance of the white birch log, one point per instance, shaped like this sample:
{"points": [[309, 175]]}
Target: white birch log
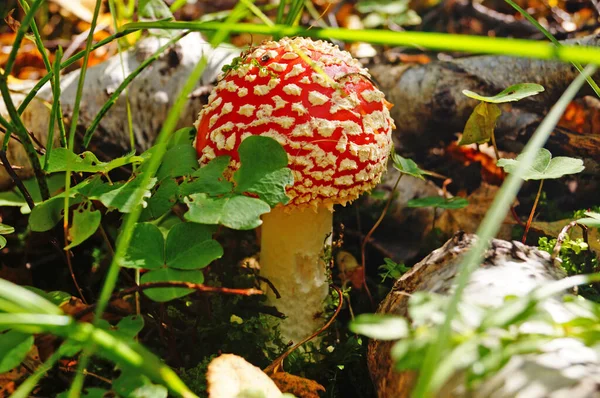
{"points": [[564, 368]]}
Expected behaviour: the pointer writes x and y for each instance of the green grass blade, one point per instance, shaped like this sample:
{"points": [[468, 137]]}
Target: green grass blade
{"points": [[113, 13], [74, 58], [12, 57], [427, 384], [434, 41], [124, 84], [550, 37], [280, 11]]}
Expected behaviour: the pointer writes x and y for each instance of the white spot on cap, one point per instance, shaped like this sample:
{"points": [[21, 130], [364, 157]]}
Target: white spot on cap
{"points": [[292, 89], [320, 79], [230, 142], [344, 180], [347, 164], [264, 111], [289, 56], [279, 102], [297, 69], [277, 67], [324, 127], [250, 78], [316, 98], [227, 108], [299, 108], [246, 110], [302, 130], [242, 92], [213, 119], [372, 95], [284, 121], [231, 86], [261, 89]]}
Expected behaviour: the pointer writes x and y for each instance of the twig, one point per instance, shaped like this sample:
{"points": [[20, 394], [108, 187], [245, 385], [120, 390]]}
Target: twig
{"points": [[275, 366], [530, 219], [563, 235], [271, 285], [16, 180], [151, 285]]}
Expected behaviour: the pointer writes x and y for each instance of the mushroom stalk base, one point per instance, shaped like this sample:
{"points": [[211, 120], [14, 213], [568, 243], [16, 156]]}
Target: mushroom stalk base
{"points": [[295, 244]]}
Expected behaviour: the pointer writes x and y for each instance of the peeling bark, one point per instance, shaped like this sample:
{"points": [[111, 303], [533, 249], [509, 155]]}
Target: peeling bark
{"points": [[509, 268]]}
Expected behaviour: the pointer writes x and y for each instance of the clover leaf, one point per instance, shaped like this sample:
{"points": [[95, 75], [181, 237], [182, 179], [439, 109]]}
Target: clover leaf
{"points": [[544, 166]]}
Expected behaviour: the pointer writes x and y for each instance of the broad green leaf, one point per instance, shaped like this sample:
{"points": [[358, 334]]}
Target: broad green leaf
{"points": [[6, 229], [184, 135], [170, 275], [481, 124], [380, 327], [47, 214], [161, 201], [235, 212], [123, 197], [592, 220], [87, 162], [439, 202], [408, 166], [154, 10], [190, 246], [84, 224], [209, 179], [2, 242], [180, 160], [261, 172], [512, 93], [390, 7], [544, 167], [14, 347], [14, 197], [146, 249], [129, 326]]}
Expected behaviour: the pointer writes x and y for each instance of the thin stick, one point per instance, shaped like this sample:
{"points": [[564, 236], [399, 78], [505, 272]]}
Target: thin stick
{"points": [[276, 364], [152, 285], [530, 219], [16, 180], [368, 238]]}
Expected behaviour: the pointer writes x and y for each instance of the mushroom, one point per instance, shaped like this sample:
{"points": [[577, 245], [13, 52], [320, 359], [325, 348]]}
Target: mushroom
{"points": [[320, 104]]}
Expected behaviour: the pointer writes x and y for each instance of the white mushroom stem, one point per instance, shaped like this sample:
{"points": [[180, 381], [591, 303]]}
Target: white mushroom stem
{"points": [[293, 249]]}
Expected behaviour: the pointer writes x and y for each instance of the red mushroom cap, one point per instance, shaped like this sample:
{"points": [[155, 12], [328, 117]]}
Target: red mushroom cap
{"points": [[327, 114]]}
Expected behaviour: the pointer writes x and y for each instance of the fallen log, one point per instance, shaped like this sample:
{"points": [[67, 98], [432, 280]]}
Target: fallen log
{"points": [[509, 268]]}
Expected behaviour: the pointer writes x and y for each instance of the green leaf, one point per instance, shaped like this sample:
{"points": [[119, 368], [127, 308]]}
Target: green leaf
{"points": [[129, 326], [408, 166], [163, 294], [6, 229], [87, 162], [544, 166], [2, 242], [47, 214], [263, 170], [481, 124], [209, 179], [123, 197], [235, 212], [180, 160], [161, 201], [14, 347], [84, 224], [190, 246], [512, 93], [154, 10], [592, 220], [14, 197], [380, 327], [382, 6], [147, 248], [184, 135], [439, 202]]}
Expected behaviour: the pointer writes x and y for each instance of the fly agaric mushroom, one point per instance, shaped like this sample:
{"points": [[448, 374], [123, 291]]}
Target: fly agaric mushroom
{"points": [[320, 104]]}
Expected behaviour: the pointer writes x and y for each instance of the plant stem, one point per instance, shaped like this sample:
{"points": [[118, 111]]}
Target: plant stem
{"points": [[16, 180], [496, 152], [370, 233], [530, 219], [429, 382]]}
